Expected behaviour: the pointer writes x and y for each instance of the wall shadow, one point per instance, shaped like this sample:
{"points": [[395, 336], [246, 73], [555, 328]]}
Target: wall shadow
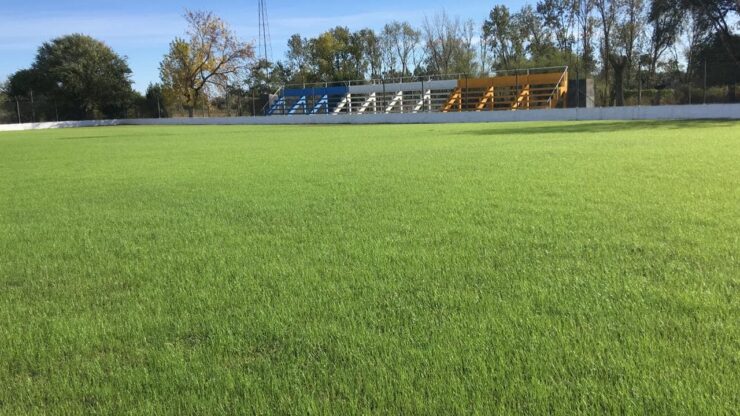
{"points": [[597, 127]]}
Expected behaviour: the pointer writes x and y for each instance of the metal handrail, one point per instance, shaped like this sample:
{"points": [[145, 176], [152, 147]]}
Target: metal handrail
{"points": [[267, 104], [418, 78], [554, 90], [423, 78]]}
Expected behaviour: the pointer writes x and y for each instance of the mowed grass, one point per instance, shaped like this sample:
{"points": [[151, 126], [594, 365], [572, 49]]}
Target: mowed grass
{"points": [[551, 268]]}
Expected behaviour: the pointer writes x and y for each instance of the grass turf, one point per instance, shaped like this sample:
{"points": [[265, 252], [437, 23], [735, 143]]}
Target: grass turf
{"points": [[514, 268]]}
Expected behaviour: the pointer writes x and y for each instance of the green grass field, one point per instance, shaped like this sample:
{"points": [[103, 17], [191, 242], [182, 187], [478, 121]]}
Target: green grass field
{"points": [[550, 268]]}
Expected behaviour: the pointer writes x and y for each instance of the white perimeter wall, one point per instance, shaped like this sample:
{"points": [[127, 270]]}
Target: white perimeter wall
{"points": [[668, 112]]}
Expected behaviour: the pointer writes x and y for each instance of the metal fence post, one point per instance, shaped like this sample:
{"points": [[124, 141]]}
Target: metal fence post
{"points": [[384, 106], [688, 75], [423, 94], [705, 81], [33, 110], [465, 97], [639, 85]]}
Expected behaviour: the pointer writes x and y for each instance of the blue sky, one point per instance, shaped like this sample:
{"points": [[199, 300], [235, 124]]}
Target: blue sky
{"points": [[142, 30]]}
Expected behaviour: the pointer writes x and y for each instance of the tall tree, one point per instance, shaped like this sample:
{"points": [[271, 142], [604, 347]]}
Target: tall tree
{"points": [[77, 77], [372, 51], [665, 18], [265, 77], [631, 32], [207, 59], [358, 54], [607, 10], [335, 55], [401, 39], [504, 38], [586, 23], [558, 18], [533, 29], [7, 110], [21, 86], [443, 39], [448, 44], [299, 56], [464, 56], [717, 16], [155, 102]]}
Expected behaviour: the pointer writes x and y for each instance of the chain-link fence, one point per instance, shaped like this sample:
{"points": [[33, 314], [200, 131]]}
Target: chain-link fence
{"points": [[712, 81], [706, 81], [25, 109]]}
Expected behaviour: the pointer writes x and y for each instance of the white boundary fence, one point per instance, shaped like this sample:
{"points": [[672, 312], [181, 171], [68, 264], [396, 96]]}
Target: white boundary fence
{"points": [[668, 112]]}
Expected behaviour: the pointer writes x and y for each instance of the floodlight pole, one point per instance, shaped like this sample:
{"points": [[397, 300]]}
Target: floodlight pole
{"points": [[18, 109]]}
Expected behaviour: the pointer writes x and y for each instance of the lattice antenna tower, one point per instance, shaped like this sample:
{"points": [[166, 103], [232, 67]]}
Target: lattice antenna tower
{"points": [[264, 47]]}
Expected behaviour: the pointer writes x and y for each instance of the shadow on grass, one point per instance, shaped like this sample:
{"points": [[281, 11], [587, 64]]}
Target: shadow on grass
{"points": [[84, 137], [116, 136], [597, 127]]}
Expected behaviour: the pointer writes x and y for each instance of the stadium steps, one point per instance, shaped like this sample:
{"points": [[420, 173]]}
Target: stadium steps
{"points": [[322, 104], [455, 98], [301, 103], [279, 103]]}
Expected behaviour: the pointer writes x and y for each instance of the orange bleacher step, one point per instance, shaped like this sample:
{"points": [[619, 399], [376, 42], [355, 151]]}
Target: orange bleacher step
{"points": [[455, 97]]}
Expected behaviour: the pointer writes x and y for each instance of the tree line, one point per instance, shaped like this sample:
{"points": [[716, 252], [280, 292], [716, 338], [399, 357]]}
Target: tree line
{"points": [[622, 44]]}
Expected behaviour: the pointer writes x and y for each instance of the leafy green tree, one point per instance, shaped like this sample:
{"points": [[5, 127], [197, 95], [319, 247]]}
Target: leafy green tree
{"points": [[358, 56], [716, 18], [372, 51], [711, 58], [26, 86], [75, 77], [155, 103], [6, 108], [558, 20], [586, 23], [337, 56], [299, 60], [607, 15], [327, 53], [665, 18], [266, 77], [503, 38], [535, 33]]}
